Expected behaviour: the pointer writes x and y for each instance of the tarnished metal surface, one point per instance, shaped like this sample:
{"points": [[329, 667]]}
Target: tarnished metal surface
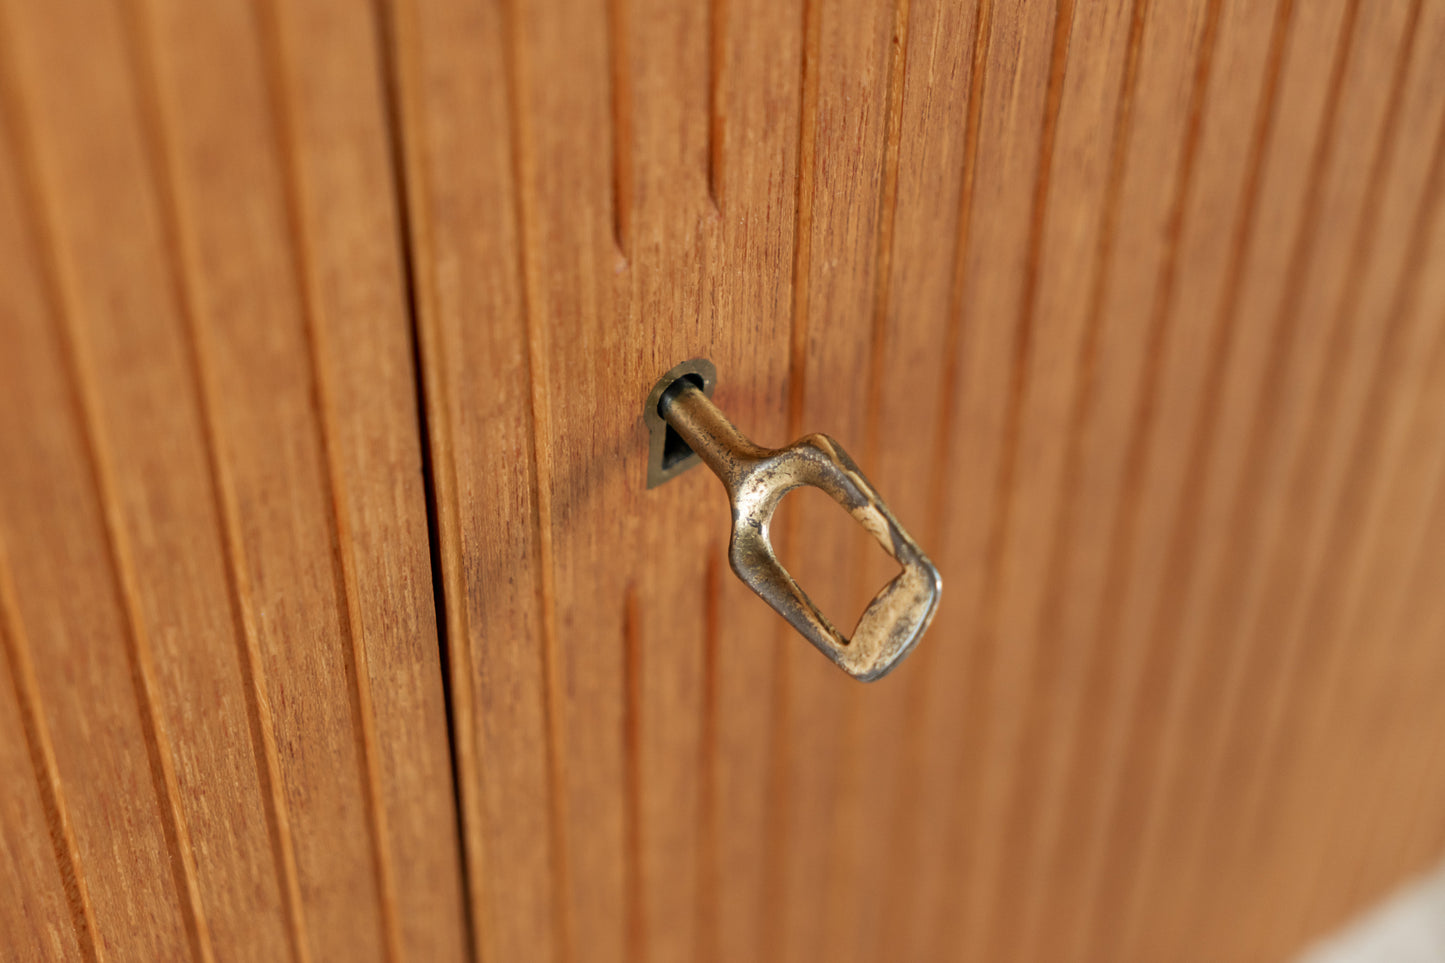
{"points": [[756, 480]]}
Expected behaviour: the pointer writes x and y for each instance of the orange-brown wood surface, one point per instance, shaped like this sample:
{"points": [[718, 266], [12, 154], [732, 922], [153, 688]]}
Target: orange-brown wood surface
{"points": [[218, 614], [338, 622]]}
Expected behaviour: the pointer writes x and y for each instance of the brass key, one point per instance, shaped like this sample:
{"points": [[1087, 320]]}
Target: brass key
{"points": [[756, 480]]}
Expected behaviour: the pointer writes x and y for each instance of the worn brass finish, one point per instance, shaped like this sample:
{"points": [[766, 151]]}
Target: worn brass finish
{"points": [[756, 480]]}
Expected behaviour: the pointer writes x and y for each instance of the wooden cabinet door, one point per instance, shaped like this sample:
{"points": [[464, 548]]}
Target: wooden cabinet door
{"points": [[225, 733], [339, 622]]}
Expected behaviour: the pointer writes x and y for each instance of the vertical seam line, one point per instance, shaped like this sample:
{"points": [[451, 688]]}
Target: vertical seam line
{"points": [[406, 157]]}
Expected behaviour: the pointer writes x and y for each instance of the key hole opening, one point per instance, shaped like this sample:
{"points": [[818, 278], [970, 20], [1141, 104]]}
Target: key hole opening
{"points": [[674, 449], [667, 454]]}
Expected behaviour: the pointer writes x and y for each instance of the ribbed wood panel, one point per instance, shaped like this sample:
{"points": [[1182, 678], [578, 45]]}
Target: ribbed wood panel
{"points": [[225, 733], [1134, 311]]}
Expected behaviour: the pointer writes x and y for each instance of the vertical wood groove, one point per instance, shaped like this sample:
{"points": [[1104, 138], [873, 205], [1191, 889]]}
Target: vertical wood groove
{"points": [[774, 893], [954, 340], [1044, 852], [1110, 421], [1424, 819], [1119, 556], [139, 657], [709, 881], [1175, 459], [946, 440], [1335, 527], [59, 286], [343, 553], [539, 429], [1281, 582], [853, 836], [1341, 533], [803, 208], [1365, 235], [1413, 580], [774, 889], [632, 790], [1184, 529], [888, 209], [39, 747], [999, 776], [717, 125], [1245, 501], [159, 150], [43, 766], [1363, 246], [1331, 692], [620, 79]]}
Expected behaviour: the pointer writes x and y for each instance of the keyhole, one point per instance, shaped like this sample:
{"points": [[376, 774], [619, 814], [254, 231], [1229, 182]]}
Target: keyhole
{"points": [[674, 449], [667, 454]]}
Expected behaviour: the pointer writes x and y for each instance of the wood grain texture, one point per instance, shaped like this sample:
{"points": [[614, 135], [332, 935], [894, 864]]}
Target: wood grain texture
{"points": [[1134, 311], [1098, 293], [243, 492], [1065, 277], [636, 864], [50, 916], [464, 246]]}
